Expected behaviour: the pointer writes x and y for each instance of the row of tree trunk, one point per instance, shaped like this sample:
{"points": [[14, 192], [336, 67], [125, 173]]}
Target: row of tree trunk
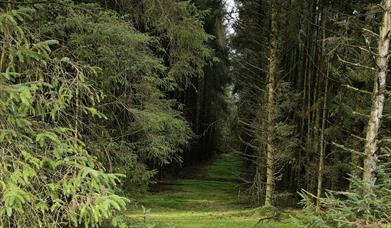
{"points": [[310, 66]]}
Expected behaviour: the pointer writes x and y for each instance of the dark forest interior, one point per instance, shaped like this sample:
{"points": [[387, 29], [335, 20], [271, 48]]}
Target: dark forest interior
{"points": [[198, 113]]}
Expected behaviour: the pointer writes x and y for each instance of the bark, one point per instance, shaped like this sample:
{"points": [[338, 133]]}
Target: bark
{"points": [[322, 142], [272, 76], [370, 157], [322, 149]]}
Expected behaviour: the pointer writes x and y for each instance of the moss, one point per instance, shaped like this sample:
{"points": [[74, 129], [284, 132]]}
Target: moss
{"points": [[208, 199], [267, 211]]}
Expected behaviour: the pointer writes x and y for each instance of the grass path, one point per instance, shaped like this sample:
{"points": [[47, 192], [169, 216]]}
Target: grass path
{"points": [[207, 198]]}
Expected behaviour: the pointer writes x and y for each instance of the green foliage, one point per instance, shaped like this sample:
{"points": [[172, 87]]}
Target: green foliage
{"points": [[352, 208], [47, 177], [142, 125], [90, 86], [178, 26]]}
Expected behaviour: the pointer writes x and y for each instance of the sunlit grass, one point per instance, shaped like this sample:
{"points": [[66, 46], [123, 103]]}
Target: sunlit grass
{"points": [[209, 199], [234, 218]]}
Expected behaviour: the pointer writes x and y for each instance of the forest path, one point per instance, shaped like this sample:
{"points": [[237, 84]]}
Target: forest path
{"points": [[207, 196]]}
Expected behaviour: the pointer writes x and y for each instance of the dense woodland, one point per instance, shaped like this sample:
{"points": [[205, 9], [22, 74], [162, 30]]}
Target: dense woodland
{"points": [[100, 100]]}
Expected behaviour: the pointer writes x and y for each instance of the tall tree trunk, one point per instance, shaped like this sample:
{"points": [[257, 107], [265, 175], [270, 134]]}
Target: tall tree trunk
{"points": [[322, 141], [370, 157], [272, 77]]}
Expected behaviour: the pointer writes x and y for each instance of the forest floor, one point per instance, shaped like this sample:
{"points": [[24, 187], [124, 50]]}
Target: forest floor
{"points": [[207, 196]]}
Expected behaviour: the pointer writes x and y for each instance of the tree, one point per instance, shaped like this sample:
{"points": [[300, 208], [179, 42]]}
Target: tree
{"points": [[91, 86], [272, 78], [47, 176], [378, 97]]}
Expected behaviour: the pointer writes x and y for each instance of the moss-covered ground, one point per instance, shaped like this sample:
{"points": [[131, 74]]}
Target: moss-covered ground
{"points": [[207, 196]]}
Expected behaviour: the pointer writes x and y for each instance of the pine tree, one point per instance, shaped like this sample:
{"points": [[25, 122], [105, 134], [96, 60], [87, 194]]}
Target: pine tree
{"points": [[378, 97], [272, 78], [47, 176]]}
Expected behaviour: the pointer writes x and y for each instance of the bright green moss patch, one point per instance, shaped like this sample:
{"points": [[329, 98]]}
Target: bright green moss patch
{"points": [[207, 199], [207, 219]]}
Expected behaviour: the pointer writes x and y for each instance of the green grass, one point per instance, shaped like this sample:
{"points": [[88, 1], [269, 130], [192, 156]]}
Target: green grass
{"points": [[206, 198]]}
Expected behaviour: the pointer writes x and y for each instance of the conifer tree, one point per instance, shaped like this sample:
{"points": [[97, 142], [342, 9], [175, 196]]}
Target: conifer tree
{"points": [[378, 98], [272, 80]]}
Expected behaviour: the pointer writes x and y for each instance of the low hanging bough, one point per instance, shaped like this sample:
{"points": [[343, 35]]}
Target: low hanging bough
{"points": [[47, 177]]}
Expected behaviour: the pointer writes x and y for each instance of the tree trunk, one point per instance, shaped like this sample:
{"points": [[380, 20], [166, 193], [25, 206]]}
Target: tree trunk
{"points": [[370, 157], [322, 148], [322, 142], [272, 76]]}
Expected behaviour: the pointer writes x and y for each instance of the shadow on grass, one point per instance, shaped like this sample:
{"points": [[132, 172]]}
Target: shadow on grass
{"points": [[206, 198]]}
